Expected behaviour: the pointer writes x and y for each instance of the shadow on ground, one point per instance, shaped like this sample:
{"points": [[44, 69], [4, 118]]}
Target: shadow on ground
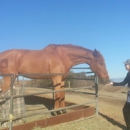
{"points": [[47, 102], [34, 100], [111, 120]]}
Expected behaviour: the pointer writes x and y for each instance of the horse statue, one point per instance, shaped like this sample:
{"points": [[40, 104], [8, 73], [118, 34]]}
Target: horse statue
{"points": [[51, 59]]}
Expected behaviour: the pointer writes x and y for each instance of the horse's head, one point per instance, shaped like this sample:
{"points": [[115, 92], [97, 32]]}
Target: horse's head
{"points": [[98, 66]]}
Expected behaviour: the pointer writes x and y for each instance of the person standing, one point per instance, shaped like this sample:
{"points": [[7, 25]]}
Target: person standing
{"points": [[126, 81]]}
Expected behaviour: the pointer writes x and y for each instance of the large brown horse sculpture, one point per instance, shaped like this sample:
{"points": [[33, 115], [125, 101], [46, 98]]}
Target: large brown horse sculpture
{"points": [[52, 59]]}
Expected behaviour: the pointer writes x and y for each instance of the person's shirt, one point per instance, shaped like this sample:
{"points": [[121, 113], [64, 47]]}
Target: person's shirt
{"points": [[124, 82]]}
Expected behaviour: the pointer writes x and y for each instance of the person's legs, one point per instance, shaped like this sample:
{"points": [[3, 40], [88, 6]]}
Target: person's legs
{"points": [[126, 113]]}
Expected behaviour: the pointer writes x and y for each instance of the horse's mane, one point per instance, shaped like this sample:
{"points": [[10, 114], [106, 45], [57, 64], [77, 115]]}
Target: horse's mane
{"points": [[69, 46], [98, 54]]}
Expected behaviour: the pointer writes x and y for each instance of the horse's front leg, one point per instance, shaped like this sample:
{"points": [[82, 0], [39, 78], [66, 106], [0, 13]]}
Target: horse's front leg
{"points": [[57, 97], [57, 86]]}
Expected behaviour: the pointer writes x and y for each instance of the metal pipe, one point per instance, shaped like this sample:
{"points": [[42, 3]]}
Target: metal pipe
{"points": [[11, 105], [96, 93], [46, 92], [79, 78], [66, 90], [80, 68]]}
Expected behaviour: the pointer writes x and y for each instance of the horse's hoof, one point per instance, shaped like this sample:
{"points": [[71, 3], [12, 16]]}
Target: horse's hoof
{"points": [[53, 113], [59, 112], [56, 113], [64, 111]]}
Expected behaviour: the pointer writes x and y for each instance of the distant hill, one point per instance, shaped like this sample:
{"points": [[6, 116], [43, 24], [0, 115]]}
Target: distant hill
{"points": [[117, 79]]}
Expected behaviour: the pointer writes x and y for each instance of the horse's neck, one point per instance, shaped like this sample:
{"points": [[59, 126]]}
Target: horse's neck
{"points": [[78, 56]]}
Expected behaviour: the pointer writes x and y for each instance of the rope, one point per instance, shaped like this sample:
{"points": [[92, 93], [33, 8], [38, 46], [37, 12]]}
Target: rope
{"points": [[11, 117]]}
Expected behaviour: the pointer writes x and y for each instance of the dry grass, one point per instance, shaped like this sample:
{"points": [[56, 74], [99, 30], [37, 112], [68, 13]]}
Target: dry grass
{"points": [[97, 123], [111, 101]]}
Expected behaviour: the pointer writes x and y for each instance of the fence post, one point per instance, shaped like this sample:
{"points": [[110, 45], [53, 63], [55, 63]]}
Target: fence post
{"points": [[96, 93], [11, 104]]}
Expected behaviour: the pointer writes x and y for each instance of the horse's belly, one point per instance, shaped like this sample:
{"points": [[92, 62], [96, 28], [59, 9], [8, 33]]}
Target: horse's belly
{"points": [[33, 68]]}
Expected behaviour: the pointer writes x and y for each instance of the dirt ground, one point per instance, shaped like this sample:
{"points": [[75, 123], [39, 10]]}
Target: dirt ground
{"points": [[110, 103]]}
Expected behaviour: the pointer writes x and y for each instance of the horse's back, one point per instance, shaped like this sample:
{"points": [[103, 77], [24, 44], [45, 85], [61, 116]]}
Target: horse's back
{"points": [[29, 61], [48, 60], [9, 60]]}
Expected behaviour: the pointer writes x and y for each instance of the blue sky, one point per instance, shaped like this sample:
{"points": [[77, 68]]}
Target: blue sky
{"points": [[94, 24]]}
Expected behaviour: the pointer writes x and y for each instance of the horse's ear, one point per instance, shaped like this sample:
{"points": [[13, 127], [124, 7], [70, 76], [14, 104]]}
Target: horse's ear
{"points": [[95, 53]]}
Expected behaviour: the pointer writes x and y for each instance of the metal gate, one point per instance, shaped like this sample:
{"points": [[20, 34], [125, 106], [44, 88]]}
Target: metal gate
{"points": [[11, 97]]}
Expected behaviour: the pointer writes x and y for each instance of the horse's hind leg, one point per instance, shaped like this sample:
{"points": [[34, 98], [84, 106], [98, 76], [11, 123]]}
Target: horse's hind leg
{"points": [[7, 82]]}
